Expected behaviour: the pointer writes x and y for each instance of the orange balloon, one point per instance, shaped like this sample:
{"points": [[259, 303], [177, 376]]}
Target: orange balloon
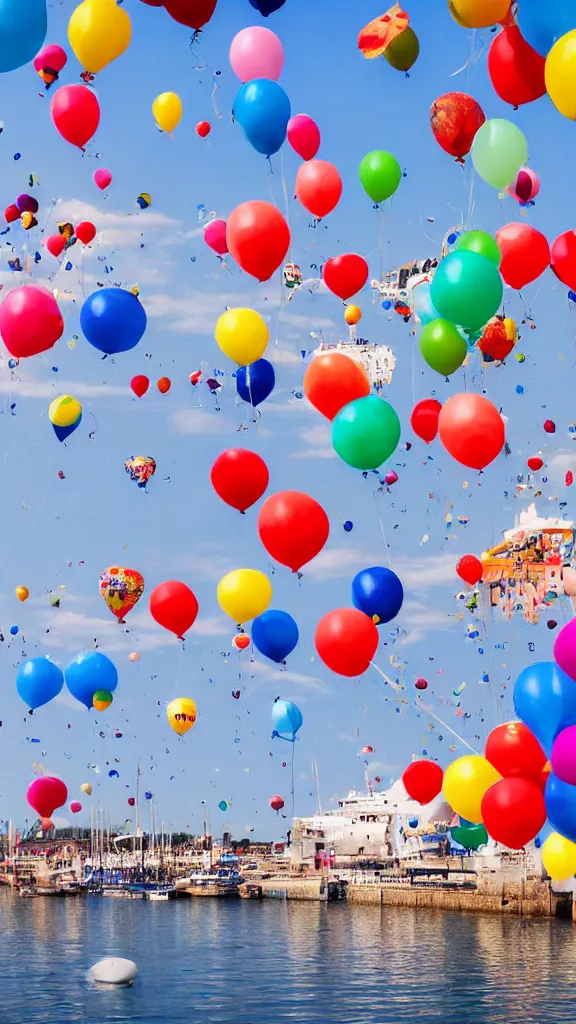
{"points": [[318, 187], [164, 385], [258, 238], [471, 430], [332, 380]]}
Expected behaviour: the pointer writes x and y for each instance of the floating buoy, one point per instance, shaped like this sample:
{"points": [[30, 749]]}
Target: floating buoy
{"points": [[114, 970]]}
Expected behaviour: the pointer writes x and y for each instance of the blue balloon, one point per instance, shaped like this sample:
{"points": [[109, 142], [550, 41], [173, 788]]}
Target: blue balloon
{"points": [[23, 27], [423, 305], [38, 681], [262, 108], [286, 718], [266, 7], [89, 672], [255, 382], [63, 432], [275, 634], [377, 592], [543, 24], [545, 700], [112, 320], [561, 806]]}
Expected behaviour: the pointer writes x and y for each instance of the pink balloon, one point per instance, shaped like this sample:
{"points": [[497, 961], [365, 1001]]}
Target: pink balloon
{"points": [[50, 58], [215, 236], [102, 178], [55, 245], [256, 53], [45, 794], [30, 321], [565, 649], [526, 186], [75, 806], [304, 136]]}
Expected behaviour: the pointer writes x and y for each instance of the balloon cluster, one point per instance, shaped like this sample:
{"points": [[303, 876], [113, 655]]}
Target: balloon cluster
{"points": [[23, 209], [68, 235]]}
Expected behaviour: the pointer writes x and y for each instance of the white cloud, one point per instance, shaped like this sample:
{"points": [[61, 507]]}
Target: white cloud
{"points": [[305, 321], [75, 210], [282, 356], [339, 563], [426, 572], [199, 421], [560, 464], [318, 442], [286, 676], [75, 630], [195, 312], [15, 385]]}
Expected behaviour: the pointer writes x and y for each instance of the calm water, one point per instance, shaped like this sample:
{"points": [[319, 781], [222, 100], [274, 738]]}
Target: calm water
{"points": [[244, 962]]}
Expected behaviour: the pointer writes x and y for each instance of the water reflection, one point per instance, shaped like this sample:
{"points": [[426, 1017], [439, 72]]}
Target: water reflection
{"points": [[242, 962]]}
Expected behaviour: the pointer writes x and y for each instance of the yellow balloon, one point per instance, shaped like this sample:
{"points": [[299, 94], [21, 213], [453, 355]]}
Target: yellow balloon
{"points": [[465, 783], [560, 75], [64, 411], [242, 334], [86, 787], [511, 329], [559, 857], [99, 31], [167, 110], [22, 593], [181, 714], [244, 594], [478, 13], [352, 315]]}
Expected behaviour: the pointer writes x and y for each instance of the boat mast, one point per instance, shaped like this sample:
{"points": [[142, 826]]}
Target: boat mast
{"points": [[315, 776]]}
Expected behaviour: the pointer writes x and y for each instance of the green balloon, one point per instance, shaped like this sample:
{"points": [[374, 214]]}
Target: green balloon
{"points": [[366, 432], [499, 151], [482, 243], [380, 175], [443, 348], [467, 289], [470, 838], [403, 51]]}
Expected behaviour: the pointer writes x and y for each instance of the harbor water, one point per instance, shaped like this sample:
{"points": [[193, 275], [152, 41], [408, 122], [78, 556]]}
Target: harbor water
{"points": [[244, 962]]}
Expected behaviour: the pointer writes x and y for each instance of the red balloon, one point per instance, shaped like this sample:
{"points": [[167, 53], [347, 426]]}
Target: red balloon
{"points": [[318, 187], [516, 70], [513, 812], [239, 477], [203, 128], [535, 463], [11, 213], [75, 807], [345, 275], [193, 13], [45, 794], [85, 232], [174, 606], [131, 799], [564, 258], [514, 751], [549, 426], [423, 781], [153, 3], [164, 384], [30, 321], [424, 419], [495, 341], [455, 118], [276, 803], [332, 380], [525, 253], [76, 113], [56, 245], [258, 238], [293, 528], [470, 569], [346, 640], [471, 430], [140, 385]]}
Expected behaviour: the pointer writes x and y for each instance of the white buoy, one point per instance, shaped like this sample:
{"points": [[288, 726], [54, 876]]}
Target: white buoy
{"points": [[114, 970]]}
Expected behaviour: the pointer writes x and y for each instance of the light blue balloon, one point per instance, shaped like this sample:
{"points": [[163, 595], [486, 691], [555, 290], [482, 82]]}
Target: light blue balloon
{"points": [[543, 834], [561, 806], [545, 700], [88, 673], [23, 27], [543, 24], [286, 718], [262, 108], [423, 305], [38, 681]]}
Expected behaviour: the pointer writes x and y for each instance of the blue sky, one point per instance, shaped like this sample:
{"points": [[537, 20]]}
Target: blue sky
{"points": [[62, 533]]}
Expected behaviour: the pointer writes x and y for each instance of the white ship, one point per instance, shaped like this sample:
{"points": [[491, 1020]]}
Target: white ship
{"points": [[383, 826]]}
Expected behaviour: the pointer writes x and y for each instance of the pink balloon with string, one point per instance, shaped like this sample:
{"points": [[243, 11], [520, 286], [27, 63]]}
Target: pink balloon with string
{"points": [[102, 178], [215, 236]]}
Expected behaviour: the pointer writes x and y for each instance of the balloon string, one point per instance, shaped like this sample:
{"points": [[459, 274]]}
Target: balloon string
{"points": [[293, 746], [428, 711], [179, 666]]}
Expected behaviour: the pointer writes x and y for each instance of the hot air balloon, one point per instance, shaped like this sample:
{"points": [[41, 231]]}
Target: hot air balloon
{"points": [[121, 588]]}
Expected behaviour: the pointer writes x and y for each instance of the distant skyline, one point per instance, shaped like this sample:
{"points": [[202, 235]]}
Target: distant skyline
{"points": [[61, 533]]}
